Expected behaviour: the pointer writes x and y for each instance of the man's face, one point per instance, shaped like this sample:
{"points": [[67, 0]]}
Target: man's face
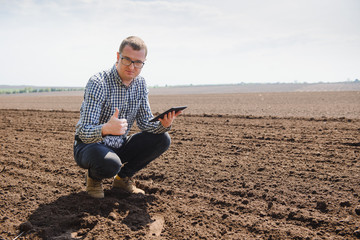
{"points": [[128, 73]]}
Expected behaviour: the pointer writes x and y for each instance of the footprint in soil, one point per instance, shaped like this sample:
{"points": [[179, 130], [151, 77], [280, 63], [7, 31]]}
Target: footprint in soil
{"points": [[156, 226], [78, 214]]}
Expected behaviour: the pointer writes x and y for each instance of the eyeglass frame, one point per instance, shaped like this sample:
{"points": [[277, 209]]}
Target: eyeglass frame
{"points": [[131, 62]]}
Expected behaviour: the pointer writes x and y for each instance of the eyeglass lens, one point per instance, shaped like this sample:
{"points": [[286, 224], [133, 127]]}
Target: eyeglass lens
{"points": [[127, 62]]}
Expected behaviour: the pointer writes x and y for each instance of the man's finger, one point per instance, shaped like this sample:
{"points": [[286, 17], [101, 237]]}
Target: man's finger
{"points": [[116, 114], [178, 113], [171, 115]]}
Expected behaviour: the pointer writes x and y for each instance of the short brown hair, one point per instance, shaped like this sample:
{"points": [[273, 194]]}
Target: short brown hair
{"points": [[135, 43]]}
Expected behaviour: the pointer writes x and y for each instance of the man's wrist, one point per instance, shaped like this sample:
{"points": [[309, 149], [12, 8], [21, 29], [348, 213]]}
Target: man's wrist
{"points": [[104, 131]]}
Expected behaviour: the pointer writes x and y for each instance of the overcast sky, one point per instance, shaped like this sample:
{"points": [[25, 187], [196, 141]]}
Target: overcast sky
{"points": [[65, 42]]}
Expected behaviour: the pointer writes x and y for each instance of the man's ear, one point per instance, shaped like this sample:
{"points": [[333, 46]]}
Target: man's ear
{"points": [[117, 56]]}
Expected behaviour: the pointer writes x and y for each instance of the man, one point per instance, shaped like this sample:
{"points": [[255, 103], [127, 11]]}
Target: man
{"points": [[113, 100]]}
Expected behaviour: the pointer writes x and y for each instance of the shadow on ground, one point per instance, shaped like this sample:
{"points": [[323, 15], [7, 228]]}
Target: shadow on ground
{"points": [[76, 215]]}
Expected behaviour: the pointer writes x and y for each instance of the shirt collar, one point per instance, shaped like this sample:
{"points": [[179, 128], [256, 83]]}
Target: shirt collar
{"points": [[116, 74]]}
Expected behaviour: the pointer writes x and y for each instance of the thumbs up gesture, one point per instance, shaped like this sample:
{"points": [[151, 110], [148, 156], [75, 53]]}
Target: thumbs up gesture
{"points": [[115, 126]]}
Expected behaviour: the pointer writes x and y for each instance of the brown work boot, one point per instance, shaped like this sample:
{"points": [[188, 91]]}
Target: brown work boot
{"points": [[126, 184], [94, 187]]}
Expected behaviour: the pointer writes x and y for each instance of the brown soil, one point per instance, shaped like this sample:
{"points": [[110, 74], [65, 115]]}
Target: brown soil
{"points": [[224, 177], [280, 104]]}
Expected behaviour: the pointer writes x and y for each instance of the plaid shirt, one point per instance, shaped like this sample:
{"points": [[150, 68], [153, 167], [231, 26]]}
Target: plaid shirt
{"points": [[103, 93]]}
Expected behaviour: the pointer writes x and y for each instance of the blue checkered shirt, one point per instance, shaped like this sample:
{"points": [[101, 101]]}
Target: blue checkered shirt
{"points": [[103, 93]]}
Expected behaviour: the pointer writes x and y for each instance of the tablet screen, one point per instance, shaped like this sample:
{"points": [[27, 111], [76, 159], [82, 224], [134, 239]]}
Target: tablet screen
{"points": [[160, 116]]}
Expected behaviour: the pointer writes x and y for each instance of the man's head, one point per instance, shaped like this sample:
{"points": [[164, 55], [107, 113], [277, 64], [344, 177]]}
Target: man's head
{"points": [[130, 58], [135, 43]]}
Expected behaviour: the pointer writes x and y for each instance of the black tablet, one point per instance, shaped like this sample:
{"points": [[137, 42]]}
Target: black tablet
{"points": [[176, 109]]}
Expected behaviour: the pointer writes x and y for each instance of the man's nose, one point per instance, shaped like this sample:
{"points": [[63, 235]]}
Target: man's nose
{"points": [[131, 66]]}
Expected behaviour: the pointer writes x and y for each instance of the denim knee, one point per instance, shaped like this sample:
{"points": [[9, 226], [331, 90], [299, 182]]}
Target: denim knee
{"points": [[165, 140], [100, 160], [111, 165]]}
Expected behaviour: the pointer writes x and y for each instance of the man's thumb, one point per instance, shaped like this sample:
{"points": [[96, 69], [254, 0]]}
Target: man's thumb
{"points": [[116, 114]]}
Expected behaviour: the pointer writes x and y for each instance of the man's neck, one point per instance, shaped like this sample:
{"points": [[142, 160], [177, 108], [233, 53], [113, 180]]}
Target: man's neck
{"points": [[127, 83]]}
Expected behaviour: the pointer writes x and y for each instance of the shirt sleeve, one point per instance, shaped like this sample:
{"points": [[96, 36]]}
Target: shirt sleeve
{"points": [[89, 127]]}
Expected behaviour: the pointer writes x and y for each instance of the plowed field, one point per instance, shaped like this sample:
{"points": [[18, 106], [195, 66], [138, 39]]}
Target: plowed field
{"points": [[225, 176]]}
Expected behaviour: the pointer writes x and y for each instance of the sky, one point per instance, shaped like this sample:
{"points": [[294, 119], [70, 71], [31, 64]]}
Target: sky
{"points": [[190, 42]]}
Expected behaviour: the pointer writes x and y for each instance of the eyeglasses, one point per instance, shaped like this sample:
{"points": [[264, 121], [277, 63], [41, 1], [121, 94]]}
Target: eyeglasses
{"points": [[127, 62]]}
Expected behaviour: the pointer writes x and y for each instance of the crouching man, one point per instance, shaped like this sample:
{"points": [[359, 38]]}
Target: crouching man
{"points": [[113, 100]]}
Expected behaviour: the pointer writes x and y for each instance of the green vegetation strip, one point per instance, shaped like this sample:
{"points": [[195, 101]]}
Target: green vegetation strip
{"points": [[36, 90]]}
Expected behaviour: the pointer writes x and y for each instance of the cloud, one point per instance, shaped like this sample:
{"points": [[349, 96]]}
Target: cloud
{"points": [[64, 42]]}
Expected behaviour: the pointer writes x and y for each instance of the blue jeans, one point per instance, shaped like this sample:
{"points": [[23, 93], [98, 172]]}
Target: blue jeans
{"points": [[137, 152]]}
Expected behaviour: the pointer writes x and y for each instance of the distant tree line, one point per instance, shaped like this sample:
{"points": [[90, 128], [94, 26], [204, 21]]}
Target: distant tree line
{"points": [[37, 90]]}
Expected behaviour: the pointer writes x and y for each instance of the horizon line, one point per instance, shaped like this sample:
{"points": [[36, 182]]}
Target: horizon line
{"points": [[189, 85]]}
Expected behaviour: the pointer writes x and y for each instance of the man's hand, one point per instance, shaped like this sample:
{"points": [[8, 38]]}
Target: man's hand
{"points": [[115, 126], [169, 118]]}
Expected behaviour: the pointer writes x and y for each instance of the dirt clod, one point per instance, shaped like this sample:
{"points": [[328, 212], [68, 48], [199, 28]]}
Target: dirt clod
{"points": [[357, 209], [26, 226], [322, 206], [112, 216]]}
